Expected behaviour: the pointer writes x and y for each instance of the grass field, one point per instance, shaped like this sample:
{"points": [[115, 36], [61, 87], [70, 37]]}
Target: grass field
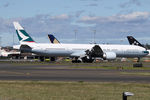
{"points": [[112, 65], [34, 90], [46, 90], [100, 65]]}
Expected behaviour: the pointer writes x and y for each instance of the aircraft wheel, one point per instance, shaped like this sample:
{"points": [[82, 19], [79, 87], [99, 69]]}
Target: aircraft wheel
{"points": [[41, 58], [86, 60], [53, 59], [76, 61]]}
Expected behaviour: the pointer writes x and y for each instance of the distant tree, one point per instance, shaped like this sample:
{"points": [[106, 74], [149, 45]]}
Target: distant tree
{"points": [[147, 46]]}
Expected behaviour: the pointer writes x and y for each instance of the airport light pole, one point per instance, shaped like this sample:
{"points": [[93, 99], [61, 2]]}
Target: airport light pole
{"points": [[0, 40], [13, 38], [75, 32], [94, 36]]}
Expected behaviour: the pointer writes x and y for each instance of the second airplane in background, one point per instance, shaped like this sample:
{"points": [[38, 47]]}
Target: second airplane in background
{"points": [[53, 39], [81, 52]]}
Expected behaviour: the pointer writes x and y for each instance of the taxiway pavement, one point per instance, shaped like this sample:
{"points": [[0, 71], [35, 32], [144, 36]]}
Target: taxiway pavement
{"points": [[65, 73]]}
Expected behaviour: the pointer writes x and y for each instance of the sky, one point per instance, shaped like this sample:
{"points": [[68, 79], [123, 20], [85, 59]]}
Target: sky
{"points": [[110, 20]]}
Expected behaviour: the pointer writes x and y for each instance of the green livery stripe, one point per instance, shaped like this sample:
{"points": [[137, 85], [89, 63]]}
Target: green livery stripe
{"points": [[18, 35]]}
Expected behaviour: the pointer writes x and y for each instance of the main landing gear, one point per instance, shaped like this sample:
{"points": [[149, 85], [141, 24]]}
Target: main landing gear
{"points": [[87, 60], [138, 64], [84, 60], [76, 60], [42, 58]]}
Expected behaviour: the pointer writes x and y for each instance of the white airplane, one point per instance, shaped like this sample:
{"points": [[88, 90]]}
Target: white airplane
{"points": [[5, 53], [81, 52]]}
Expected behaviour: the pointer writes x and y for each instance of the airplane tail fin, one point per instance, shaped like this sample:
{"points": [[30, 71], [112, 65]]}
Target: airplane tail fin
{"points": [[133, 41], [23, 36], [53, 39]]}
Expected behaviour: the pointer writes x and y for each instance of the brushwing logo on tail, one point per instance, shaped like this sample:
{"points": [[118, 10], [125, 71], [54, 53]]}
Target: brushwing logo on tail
{"points": [[135, 43], [22, 36]]}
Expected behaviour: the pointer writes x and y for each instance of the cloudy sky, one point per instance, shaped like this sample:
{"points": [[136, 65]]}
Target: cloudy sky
{"points": [[111, 20]]}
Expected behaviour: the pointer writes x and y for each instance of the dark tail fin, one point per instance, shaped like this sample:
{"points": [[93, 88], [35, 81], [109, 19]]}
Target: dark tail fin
{"points": [[133, 41], [53, 39]]}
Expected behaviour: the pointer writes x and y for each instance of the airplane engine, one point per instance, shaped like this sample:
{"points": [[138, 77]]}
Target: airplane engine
{"points": [[109, 56]]}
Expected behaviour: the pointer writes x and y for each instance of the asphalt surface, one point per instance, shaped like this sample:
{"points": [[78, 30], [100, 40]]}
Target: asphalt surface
{"points": [[65, 73]]}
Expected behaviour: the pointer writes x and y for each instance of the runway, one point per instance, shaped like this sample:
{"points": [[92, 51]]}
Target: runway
{"points": [[65, 73]]}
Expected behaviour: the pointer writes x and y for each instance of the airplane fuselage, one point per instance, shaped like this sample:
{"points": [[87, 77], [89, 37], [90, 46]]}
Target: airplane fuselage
{"points": [[70, 49]]}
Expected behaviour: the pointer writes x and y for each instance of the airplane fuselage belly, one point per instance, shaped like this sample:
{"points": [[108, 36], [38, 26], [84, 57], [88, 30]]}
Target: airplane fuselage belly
{"points": [[51, 53]]}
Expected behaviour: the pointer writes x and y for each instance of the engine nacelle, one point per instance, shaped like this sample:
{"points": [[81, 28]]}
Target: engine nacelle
{"points": [[109, 56]]}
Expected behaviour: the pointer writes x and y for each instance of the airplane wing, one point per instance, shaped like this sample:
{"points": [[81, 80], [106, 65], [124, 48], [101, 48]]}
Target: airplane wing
{"points": [[96, 51], [79, 54]]}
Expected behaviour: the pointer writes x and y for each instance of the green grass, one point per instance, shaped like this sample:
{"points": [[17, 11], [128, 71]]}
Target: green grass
{"points": [[136, 73], [100, 65], [34, 90], [113, 65]]}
